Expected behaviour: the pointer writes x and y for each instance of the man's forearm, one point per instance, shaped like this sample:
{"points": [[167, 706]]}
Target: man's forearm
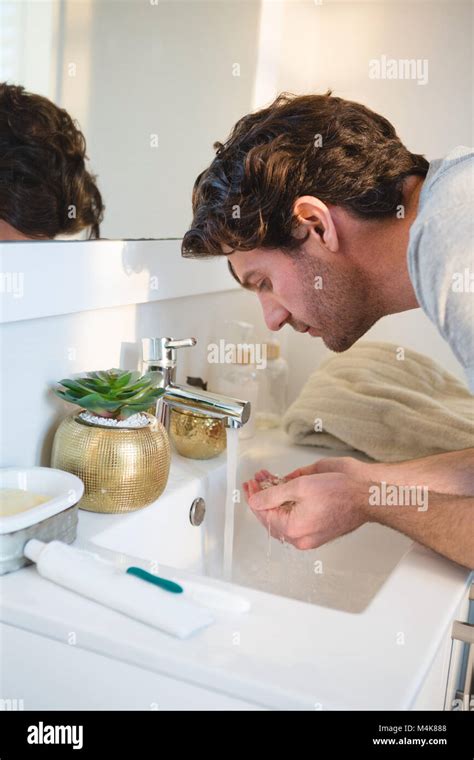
{"points": [[445, 523], [449, 473]]}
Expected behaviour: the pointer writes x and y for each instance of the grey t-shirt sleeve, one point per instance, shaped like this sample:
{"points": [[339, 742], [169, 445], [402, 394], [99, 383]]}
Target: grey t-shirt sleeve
{"points": [[441, 268]]}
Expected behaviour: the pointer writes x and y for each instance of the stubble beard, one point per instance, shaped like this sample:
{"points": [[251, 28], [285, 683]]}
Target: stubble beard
{"points": [[340, 307]]}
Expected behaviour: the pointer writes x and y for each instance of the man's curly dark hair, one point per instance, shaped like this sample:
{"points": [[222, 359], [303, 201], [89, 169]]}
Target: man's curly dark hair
{"points": [[45, 188], [334, 149]]}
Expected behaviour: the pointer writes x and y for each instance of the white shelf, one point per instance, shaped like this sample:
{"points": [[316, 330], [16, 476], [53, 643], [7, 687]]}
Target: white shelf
{"points": [[45, 279]]}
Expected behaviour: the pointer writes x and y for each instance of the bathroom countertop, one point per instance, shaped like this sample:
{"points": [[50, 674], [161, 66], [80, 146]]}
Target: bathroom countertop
{"points": [[282, 654]]}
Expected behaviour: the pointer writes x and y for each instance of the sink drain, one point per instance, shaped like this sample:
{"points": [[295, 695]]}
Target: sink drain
{"points": [[197, 511]]}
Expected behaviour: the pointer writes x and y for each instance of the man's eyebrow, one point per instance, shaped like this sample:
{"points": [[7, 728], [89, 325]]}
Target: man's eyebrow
{"points": [[245, 281]]}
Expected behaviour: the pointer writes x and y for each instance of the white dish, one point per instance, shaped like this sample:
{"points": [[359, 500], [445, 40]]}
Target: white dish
{"points": [[62, 489]]}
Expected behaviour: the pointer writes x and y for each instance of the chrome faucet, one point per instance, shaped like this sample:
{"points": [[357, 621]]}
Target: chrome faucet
{"points": [[160, 357]]}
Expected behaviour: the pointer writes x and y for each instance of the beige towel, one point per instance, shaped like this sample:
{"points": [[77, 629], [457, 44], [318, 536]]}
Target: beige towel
{"points": [[391, 408]]}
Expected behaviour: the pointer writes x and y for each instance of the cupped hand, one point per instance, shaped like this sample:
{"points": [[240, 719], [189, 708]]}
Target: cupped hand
{"points": [[347, 465], [308, 510]]}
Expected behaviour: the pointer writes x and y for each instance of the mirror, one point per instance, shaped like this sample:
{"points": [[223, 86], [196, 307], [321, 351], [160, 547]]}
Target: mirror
{"points": [[152, 84]]}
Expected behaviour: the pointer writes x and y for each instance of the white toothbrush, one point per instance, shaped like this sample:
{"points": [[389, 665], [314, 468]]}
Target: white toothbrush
{"points": [[216, 598]]}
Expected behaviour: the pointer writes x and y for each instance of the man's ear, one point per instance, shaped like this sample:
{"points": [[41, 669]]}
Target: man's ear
{"points": [[314, 215]]}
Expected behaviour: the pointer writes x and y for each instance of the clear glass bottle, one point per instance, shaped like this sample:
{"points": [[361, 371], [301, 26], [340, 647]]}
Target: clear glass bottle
{"points": [[273, 388], [236, 374]]}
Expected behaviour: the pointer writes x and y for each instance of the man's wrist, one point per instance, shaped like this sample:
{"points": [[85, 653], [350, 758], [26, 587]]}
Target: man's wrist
{"points": [[366, 511]]}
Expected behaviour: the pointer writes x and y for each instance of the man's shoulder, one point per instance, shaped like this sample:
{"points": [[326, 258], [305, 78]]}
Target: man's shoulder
{"points": [[449, 182], [441, 237], [445, 203], [440, 250]]}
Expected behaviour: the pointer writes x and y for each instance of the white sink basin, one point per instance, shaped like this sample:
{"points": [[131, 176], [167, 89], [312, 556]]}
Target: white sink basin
{"points": [[325, 639], [345, 574]]}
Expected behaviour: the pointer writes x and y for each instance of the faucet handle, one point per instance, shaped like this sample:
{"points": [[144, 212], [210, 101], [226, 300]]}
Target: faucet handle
{"points": [[181, 343], [162, 351]]}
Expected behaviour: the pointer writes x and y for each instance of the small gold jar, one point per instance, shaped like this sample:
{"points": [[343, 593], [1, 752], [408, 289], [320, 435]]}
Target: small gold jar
{"points": [[123, 469], [197, 436]]}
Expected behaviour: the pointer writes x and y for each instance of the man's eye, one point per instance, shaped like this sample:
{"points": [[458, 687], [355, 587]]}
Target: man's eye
{"points": [[263, 285]]}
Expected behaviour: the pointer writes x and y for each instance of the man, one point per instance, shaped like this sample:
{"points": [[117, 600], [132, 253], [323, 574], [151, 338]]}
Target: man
{"points": [[45, 188], [320, 187]]}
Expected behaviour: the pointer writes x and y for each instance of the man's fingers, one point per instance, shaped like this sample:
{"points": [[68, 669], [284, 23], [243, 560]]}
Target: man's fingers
{"points": [[250, 487], [309, 470], [329, 464], [274, 497], [277, 522]]}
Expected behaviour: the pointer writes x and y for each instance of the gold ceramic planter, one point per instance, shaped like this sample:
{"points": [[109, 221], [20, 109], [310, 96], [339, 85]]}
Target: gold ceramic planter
{"points": [[123, 469], [197, 436]]}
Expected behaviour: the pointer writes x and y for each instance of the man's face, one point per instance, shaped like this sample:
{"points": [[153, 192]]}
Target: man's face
{"points": [[317, 292]]}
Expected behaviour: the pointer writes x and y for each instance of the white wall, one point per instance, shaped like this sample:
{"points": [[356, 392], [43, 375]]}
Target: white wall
{"points": [[329, 45], [131, 70], [71, 307], [128, 70], [36, 353], [28, 44]]}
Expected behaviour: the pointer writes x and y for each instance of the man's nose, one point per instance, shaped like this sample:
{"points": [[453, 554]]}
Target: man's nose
{"points": [[274, 314]]}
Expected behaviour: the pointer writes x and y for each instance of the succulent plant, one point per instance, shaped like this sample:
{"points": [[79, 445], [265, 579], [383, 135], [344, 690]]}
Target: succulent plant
{"points": [[112, 393]]}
